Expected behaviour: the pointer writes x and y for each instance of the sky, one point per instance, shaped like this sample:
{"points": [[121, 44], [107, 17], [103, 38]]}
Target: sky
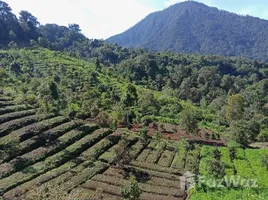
{"points": [[100, 19]]}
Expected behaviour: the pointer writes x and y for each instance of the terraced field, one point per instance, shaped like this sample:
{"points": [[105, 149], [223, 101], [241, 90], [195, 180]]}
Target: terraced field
{"points": [[75, 156]]}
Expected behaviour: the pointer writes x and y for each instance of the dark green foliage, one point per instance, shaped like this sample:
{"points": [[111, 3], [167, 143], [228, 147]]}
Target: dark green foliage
{"points": [[190, 117], [54, 90], [245, 132], [192, 27], [143, 135], [131, 96], [215, 166], [132, 190], [216, 154], [264, 161]]}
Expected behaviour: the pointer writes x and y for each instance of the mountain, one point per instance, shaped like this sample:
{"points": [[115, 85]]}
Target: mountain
{"points": [[192, 27]]}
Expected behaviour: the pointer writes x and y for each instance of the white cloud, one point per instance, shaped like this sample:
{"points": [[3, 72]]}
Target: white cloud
{"points": [[97, 18]]}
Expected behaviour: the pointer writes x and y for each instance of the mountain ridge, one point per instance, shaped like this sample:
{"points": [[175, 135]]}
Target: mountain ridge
{"points": [[192, 27]]}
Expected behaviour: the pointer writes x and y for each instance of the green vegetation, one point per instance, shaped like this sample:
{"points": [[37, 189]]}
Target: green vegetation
{"points": [[79, 115], [193, 27]]}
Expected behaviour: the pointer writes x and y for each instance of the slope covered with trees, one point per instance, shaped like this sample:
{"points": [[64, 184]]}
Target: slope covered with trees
{"points": [[84, 119], [192, 27]]}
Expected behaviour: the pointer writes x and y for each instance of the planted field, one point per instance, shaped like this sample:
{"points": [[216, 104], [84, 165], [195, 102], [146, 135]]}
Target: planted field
{"points": [[250, 177], [72, 156]]}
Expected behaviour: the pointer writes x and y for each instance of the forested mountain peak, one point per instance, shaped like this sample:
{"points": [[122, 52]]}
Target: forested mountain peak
{"points": [[192, 27]]}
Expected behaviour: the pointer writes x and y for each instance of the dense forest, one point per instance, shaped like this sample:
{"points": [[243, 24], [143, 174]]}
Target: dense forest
{"points": [[192, 27], [69, 107]]}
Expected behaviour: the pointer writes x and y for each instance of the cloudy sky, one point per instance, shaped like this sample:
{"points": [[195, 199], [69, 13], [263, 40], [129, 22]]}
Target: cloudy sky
{"points": [[104, 18]]}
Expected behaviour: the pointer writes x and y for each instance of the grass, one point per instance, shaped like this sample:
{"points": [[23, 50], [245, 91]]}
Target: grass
{"points": [[248, 166]]}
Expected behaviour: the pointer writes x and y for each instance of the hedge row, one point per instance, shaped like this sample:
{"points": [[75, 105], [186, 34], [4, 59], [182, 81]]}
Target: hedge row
{"points": [[152, 173], [9, 109], [41, 139], [85, 175], [110, 155], [62, 173], [155, 167], [115, 190], [42, 152], [6, 103], [166, 158], [154, 156], [179, 160], [51, 162], [151, 179], [144, 154], [161, 190], [16, 115], [12, 125], [34, 129], [136, 149], [5, 98]]}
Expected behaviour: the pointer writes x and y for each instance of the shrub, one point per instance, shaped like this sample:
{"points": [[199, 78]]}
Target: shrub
{"points": [[131, 191]]}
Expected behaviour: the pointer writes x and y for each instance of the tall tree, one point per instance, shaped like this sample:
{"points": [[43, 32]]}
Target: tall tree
{"points": [[245, 132], [235, 107], [8, 22], [5, 11], [190, 117], [74, 27], [29, 24]]}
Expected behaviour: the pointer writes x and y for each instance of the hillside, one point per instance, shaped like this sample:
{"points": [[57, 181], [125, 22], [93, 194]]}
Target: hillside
{"points": [[192, 27], [85, 119]]}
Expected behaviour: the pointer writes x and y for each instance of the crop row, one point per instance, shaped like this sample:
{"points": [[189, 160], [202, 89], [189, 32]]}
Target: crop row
{"points": [[136, 149], [34, 129], [193, 160], [51, 162], [5, 98], [145, 153], [154, 156], [154, 173], [42, 139], [179, 160], [12, 125], [254, 158], [147, 177], [83, 176], [16, 115], [225, 157], [161, 190], [109, 156], [9, 109], [155, 167], [115, 190], [43, 151], [86, 159], [166, 158], [6, 103], [81, 193], [64, 172]]}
